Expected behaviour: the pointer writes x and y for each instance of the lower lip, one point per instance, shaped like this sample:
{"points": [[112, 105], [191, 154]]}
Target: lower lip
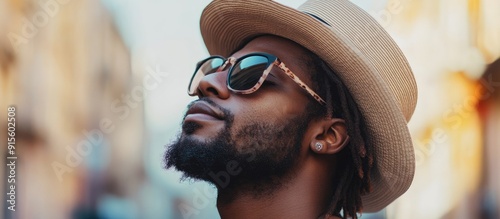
{"points": [[201, 117]]}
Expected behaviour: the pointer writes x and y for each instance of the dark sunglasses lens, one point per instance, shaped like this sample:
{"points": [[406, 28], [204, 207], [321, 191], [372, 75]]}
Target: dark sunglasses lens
{"points": [[247, 72], [211, 65], [205, 68]]}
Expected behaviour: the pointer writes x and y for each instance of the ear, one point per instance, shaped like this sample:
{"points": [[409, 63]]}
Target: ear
{"points": [[329, 136]]}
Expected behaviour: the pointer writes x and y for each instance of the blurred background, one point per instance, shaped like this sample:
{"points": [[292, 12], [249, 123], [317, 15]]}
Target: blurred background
{"points": [[99, 88]]}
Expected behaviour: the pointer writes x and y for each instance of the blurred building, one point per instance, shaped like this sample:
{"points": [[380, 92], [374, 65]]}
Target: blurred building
{"points": [[448, 44], [65, 68]]}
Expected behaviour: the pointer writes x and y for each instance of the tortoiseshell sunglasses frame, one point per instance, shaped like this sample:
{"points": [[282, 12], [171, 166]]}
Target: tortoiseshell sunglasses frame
{"points": [[272, 61]]}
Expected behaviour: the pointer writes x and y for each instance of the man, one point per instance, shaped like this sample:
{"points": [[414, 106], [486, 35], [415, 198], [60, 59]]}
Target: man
{"points": [[301, 113]]}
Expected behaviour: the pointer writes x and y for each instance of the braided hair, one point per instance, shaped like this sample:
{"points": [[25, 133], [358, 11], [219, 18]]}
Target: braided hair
{"points": [[352, 179]]}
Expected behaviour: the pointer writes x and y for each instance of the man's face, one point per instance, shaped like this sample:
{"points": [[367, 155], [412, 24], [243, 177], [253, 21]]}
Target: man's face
{"points": [[233, 139]]}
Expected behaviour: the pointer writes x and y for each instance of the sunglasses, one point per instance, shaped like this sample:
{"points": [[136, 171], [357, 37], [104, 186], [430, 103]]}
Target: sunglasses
{"points": [[246, 74]]}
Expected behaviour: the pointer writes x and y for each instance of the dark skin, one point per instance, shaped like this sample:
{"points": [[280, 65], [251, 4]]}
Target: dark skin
{"points": [[309, 189]]}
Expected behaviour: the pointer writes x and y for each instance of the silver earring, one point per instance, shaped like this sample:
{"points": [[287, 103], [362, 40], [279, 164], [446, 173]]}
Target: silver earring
{"points": [[318, 146]]}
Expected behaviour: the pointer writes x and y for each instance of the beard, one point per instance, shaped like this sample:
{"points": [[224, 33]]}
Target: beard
{"points": [[259, 156]]}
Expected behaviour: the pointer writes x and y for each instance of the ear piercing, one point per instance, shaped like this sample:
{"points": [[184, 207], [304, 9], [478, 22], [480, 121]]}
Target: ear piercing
{"points": [[318, 146]]}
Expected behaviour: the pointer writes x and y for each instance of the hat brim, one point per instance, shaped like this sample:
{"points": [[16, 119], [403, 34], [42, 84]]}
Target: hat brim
{"points": [[227, 25]]}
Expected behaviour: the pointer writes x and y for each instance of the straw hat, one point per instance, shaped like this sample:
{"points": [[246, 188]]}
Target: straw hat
{"points": [[359, 50]]}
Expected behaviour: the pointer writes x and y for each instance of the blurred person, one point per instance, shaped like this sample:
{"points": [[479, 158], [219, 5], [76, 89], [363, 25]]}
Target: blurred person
{"points": [[301, 113], [489, 109]]}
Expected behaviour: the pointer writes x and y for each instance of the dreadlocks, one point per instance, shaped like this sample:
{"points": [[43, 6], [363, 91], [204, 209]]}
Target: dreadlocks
{"points": [[356, 160]]}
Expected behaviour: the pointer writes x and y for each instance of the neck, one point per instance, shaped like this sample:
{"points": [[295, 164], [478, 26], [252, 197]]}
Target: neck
{"points": [[306, 194]]}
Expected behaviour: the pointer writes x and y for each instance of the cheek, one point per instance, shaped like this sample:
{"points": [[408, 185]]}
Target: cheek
{"points": [[270, 109]]}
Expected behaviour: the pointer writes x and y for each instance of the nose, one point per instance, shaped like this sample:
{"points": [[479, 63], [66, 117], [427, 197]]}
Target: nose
{"points": [[214, 85]]}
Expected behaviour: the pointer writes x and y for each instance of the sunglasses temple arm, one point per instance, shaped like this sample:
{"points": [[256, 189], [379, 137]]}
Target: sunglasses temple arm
{"points": [[297, 80]]}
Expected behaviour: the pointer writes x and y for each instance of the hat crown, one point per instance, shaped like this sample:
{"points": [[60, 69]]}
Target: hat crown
{"points": [[370, 39]]}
